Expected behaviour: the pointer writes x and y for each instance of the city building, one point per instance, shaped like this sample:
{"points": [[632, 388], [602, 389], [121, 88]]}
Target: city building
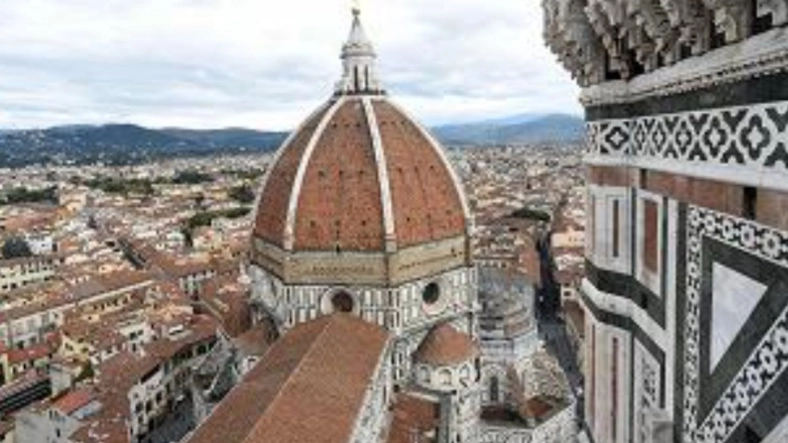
{"points": [[686, 286], [19, 272]]}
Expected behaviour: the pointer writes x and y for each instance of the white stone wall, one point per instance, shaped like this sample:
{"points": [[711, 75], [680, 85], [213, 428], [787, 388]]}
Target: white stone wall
{"points": [[560, 428], [371, 423], [602, 253], [47, 425], [496, 359], [646, 387], [401, 309], [601, 402]]}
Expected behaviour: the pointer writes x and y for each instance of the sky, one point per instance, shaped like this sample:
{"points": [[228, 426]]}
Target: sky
{"points": [[265, 64]]}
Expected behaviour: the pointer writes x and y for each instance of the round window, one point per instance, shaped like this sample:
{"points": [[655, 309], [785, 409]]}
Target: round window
{"points": [[431, 293], [342, 302]]}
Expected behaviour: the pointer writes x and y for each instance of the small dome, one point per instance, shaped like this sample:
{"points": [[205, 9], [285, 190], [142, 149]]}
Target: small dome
{"points": [[445, 346]]}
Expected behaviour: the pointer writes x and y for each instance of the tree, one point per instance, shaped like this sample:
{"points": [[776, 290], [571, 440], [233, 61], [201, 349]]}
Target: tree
{"points": [[188, 237], [16, 247], [191, 177], [86, 372], [242, 194], [199, 201], [531, 214]]}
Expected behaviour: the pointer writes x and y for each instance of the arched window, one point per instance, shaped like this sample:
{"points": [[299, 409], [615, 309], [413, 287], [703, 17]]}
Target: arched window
{"points": [[494, 390], [342, 302], [431, 293], [356, 79]]}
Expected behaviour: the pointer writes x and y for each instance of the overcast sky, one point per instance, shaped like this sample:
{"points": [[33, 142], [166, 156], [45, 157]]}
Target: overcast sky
{"points": [[266, 64]]}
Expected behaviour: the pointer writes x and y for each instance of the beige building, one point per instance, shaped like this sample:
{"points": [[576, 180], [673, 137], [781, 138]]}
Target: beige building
{"points": [[19, 272]]}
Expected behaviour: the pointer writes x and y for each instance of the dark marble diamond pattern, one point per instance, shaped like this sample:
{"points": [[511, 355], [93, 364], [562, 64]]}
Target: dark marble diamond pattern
{"points": [[755, 135], [766, 363]]}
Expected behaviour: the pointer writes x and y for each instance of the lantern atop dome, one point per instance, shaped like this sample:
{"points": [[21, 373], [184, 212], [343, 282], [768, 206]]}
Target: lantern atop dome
{"points": [[359, 62]]}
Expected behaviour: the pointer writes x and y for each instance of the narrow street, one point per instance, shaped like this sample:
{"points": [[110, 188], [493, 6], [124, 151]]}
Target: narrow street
{"points": [[179, 423], [552, 328]]}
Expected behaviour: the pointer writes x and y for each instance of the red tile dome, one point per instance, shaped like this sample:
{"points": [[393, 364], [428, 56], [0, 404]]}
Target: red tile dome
{"points": [[446, 346], [360, 175]]}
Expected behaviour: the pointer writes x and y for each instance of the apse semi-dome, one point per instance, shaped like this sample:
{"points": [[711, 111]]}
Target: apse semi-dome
{"points": [[360, 177]]}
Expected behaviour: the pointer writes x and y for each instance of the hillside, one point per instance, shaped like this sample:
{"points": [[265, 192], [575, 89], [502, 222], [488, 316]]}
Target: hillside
{"points": [[529, 129], [124, 144], [128, 144]]}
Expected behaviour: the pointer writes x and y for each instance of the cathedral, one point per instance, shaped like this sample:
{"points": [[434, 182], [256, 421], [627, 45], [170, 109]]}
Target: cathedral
{"points": [[686, 288], [361, 265]]}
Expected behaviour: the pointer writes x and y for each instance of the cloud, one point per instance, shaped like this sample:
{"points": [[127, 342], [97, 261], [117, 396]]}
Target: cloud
{"points": [[266, 64]]}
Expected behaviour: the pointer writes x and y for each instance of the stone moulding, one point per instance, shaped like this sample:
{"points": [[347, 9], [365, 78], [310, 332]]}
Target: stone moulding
{"points": [[373, 268], [762, 54]]}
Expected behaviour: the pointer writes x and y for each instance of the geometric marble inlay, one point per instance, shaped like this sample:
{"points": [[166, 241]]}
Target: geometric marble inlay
{"points": [[739, 136], [734, 296]]}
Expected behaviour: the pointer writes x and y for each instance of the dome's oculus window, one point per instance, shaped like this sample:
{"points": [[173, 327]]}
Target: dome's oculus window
{"points": [[431, 293], [342, 302]]}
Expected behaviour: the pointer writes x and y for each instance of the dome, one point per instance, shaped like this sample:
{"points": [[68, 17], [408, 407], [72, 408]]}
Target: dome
{"points": [[446, 346], [359, 175]]}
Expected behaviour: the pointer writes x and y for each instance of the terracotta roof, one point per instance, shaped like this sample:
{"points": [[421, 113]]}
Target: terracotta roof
{"points": [[227, 301], [270, 222], [340, 201], [32, 353], [73, 401], [309, 386], [414, 419], [426, 204], [121, 371], [445, 346], [255, 341]]}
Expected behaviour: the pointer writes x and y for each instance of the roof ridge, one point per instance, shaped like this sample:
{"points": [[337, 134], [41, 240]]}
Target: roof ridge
{"points": [[384, 182]]}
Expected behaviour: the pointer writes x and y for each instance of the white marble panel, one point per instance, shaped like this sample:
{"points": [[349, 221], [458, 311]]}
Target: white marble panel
{"points": [[734, 297]]}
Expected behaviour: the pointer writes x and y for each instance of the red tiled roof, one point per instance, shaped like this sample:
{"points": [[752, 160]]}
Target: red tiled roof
{"points": [[444, 346], [270, 222], [32, 353], [73, 401], [426, 204], [309, 386], [340, 199], [413, 419]]}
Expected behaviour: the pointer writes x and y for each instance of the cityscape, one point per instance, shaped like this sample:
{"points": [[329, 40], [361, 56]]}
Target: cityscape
{"points": [[535, 277]]}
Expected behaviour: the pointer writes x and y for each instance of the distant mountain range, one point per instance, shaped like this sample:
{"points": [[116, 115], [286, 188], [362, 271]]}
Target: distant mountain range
{"points": [[127, 144], [521, 129]]}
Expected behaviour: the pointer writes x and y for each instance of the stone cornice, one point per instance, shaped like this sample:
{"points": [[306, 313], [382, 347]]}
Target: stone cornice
{"points": [[368, 268], [760, 55], [598, 41]]}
